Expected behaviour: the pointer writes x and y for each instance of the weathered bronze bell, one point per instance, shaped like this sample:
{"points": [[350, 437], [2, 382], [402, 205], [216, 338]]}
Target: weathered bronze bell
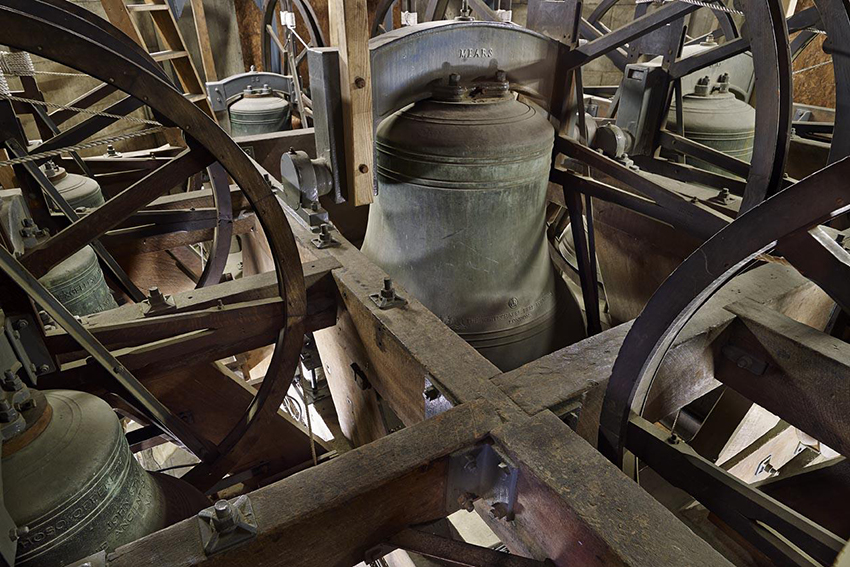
{"points": [[259, 112], [714, 117], [78, 190], [77, 488], [459, 219], [78, 283]]}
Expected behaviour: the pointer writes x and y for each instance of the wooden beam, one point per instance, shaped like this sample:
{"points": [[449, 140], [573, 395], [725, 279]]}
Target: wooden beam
{"points": [[349, 27], [805, 376], [558, 380], [580, 510], [335, 512]]}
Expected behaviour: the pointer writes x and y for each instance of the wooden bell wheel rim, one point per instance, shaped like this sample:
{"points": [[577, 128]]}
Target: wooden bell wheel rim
{"points": [[56, 29]]}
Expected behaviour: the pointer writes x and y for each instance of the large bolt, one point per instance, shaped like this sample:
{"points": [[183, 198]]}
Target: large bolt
{"points": [[16, 533], [8, 414], [499, 511], [223, 519], [21, 324], [360, 82], [501, 76], [454, 79], [466, 501], [388, 292]]}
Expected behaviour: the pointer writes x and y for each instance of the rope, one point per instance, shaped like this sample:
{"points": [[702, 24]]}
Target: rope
{"points": [[20, 65], [809, 68], [83, 146], [309, 422], [87, 111], [709, 5]]}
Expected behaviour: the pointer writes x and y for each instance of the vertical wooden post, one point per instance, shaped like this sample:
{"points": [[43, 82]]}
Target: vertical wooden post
{"points": [[349, 27]]}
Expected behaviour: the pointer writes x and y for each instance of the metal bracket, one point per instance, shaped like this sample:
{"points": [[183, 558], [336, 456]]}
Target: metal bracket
{"points": [[222, 92], [387, 298], [227, 525], [158, 304], [744, 359], [24, 336], [480, 472]]}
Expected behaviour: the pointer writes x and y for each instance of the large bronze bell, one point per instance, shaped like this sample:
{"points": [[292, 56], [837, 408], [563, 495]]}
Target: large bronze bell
{"points": [[78, 283], [459, 219], [72, 480], [259, 111]]}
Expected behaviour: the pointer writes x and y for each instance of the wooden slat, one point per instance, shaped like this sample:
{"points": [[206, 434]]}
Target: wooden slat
{"points": [[207, 59], [335, 512], [350, 32], [147, 7], [168, 55]]}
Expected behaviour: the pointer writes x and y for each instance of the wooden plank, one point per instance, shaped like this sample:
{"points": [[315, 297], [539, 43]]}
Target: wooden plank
{"points": [[213, 399], [356, 403], [349, 27], [117, 13], [408, 344], [558, 380], [581, 510], [337, 511], [203, 32], [806, 379]]}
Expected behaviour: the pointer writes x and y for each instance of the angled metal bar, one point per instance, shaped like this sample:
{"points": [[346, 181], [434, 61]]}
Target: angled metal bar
{"points": [[753, 514], [43, 257], [703, 221], [170, 423], [610, 41], [682, 145], [112, 267]]}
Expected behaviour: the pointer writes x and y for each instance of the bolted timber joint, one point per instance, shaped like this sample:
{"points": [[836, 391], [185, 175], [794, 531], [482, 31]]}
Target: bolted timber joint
{"points": [[227, 525], [387, 298]]}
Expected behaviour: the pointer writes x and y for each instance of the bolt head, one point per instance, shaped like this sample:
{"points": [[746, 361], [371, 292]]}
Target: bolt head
{"points": [[454, 79]]}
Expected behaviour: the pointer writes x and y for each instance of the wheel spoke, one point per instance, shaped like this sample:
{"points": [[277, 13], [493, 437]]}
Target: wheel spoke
{"points": [[90, 126], [682, 145], [43, 257], [702, 221], [173, 425], [817, 255], [621, 36]]}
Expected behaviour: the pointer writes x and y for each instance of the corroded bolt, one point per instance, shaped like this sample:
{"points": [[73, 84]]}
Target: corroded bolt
{"points": [[324, 234], [223, 519], [388, 292], [501, 76], [360, 82], [21, 324], [499, 511], [363, 168], [704, 81], [466, 501], [454, 79], [16, 533], [744, 362]]}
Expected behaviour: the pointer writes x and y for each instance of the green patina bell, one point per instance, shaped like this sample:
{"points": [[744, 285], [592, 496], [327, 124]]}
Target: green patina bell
{"points": [[77, 488], [459, 219], [80, 191], [259, 112], [715, 118], [78, 284]]}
